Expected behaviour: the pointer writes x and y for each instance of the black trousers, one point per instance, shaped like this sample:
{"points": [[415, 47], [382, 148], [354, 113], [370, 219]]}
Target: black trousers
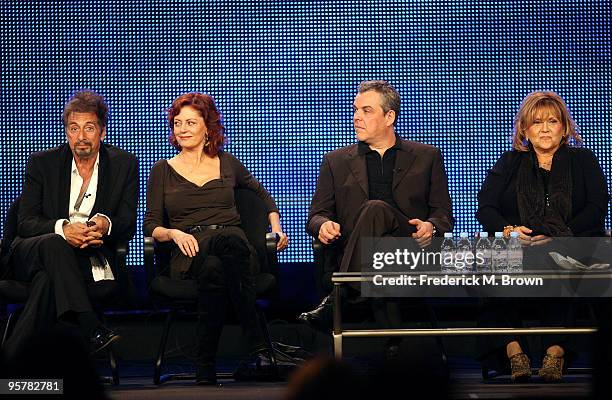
{"points": [[375, 219], [224, 266], [58, 274]]}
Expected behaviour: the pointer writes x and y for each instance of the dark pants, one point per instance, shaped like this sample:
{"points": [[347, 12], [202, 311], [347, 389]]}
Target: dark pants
{"points": [[58, 274], [223, 266], [376, 219], [507, 313]]}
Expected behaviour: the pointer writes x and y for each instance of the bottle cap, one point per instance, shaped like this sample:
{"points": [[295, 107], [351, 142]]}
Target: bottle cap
{"points": [[448, 234], [484, 234], [514, 234], [463, 234], [499, 234]]}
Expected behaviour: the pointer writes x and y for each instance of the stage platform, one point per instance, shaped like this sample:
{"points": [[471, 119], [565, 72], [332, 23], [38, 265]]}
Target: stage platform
{"points": [[136, 353], [466, 383]]}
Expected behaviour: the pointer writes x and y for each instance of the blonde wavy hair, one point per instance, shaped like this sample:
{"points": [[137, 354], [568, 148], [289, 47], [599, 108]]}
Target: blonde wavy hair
{"points": [[543, 103]]}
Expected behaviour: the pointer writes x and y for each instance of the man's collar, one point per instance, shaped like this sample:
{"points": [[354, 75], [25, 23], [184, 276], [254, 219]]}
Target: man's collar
{"points": [[363, 148], [96, 164]]}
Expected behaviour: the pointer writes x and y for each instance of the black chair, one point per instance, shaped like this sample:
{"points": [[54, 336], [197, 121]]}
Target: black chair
{"points": [[15, 293], [174, 296], [326, 259]]}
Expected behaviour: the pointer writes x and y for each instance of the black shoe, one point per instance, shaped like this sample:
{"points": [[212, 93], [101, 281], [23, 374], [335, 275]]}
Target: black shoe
{"points": [[206, 374], [256, 367], [321, 316], [101, 338], [262, 358]]}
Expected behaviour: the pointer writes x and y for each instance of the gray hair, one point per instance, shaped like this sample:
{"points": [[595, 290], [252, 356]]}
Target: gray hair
{"points": [[390, 96]]}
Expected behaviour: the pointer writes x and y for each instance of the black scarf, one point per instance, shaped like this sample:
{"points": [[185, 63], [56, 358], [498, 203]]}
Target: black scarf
{"points": [[545, 219]]}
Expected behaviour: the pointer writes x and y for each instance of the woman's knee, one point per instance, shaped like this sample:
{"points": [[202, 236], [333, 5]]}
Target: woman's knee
{"points": [[232, 243], [210, 273]]}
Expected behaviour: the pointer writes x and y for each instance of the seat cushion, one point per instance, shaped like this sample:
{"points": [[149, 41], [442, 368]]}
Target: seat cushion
{"points": [[14, 291], [264, 283], [186, 289]]}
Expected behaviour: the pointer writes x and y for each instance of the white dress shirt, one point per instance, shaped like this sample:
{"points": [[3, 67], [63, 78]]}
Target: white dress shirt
{"points": [[100, 267]]}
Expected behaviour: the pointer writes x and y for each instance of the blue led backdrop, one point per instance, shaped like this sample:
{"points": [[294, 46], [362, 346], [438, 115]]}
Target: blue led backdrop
{"points": [[284, 74]]}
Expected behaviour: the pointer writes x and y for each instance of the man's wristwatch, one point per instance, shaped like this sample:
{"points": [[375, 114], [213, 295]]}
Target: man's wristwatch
{"points": [[433, 233]]}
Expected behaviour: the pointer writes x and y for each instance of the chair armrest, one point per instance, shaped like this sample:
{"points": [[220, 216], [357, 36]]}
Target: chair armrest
{"points": [[324, 263], [149, 259], [272, 239], [317, 246], [122, 250]]}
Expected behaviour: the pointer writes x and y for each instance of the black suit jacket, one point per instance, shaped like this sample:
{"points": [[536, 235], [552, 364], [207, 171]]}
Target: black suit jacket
{"points": [[498, 206], [46, 194], [420, 187]]}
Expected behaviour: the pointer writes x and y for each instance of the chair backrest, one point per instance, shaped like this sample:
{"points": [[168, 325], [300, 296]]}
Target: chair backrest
{"points": [[9, 232], [254, 218]]}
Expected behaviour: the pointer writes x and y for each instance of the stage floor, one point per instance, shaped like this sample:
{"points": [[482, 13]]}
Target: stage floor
{"points": [[466, 383]]}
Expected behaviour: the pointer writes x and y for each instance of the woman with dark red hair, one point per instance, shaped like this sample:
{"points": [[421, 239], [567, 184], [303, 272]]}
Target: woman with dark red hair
{"points": [[195, 191]]}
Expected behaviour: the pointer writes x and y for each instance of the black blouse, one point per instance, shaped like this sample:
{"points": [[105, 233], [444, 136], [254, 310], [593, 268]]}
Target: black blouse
{"points": [[175, 202]]}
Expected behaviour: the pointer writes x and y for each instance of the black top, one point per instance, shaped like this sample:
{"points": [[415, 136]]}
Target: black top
{"points": [[380, 172], [545, 174], [497, 199], [174, 202]]}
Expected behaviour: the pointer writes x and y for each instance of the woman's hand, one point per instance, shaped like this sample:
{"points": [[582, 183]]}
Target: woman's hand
{"points": [[524, 236], [527, 240], [185, 242], [283, 240], [539, 240]]}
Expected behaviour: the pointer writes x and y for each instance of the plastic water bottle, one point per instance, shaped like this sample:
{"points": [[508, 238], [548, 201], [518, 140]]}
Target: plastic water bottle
{"points": [[499, 254], [515, 254], [463, 255], [447, 253], [483, 253]]}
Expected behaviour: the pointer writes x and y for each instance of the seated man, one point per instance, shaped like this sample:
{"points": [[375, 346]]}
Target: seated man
{"points": [[381, 186], [78, 202]]}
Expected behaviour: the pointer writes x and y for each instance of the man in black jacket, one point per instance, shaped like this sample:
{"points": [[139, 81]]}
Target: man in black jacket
{"points": [[381, 186], [78, 203]]}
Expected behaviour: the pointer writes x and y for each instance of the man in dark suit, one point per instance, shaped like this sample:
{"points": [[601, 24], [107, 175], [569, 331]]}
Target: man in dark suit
{"points": [[78, 203], [381, 186]]}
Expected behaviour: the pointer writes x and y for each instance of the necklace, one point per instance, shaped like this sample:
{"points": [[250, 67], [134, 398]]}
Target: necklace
{"points": [[545, 164]]}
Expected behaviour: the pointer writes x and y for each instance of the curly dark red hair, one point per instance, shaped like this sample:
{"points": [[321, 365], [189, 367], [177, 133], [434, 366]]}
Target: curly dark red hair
{"points": [[205, 105]]}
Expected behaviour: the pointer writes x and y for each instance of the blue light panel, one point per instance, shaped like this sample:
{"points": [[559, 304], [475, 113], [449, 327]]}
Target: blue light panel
{"points": [[284, 74]]}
